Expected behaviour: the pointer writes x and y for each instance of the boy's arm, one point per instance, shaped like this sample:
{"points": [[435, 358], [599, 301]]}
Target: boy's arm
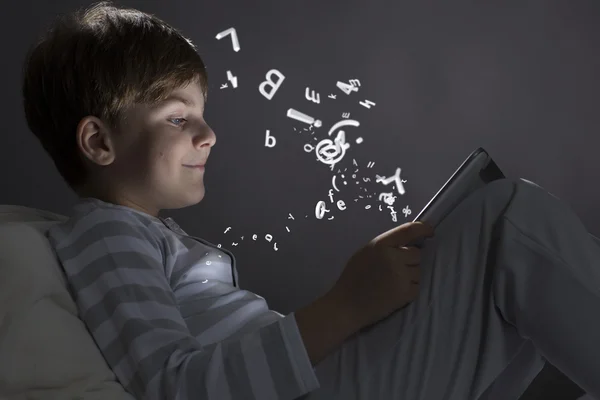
{"points": [[116, 275]]}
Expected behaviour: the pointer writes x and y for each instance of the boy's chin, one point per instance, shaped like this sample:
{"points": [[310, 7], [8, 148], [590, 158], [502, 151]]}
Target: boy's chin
{"points": [[187, 200]]}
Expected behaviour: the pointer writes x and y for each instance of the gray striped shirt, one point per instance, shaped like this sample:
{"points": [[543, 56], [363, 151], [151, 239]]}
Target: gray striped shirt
{"points": [[167, 315]]}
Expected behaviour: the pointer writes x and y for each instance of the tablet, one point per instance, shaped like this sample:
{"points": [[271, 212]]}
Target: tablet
{"points": [[476, 171]]}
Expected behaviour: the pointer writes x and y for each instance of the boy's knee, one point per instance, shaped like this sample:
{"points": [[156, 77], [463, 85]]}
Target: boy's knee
{"points": [[500, 188], [493, 197], [532, 203], [508, 186], [534, 189], [528, 182]]}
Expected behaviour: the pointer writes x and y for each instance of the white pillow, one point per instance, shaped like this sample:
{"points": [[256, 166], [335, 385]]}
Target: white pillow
{"points": [[46, 351]]}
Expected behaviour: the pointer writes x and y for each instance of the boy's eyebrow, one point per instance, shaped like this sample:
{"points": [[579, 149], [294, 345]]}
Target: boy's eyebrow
{"points": [[176, 97]]}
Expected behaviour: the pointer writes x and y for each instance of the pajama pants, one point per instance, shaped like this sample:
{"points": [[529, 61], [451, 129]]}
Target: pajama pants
{"points": [[510, 279]]}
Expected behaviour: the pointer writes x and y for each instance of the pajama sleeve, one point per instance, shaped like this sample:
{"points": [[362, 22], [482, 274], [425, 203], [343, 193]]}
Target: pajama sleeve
{"points": [[115, 268]]}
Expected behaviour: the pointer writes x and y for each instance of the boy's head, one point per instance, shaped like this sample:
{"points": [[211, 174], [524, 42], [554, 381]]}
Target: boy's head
{"points": [[116, 97]]}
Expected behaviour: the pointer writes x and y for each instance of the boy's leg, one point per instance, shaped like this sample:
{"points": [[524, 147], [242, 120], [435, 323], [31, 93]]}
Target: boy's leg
{"points": [[511, 267], [548, 283]]}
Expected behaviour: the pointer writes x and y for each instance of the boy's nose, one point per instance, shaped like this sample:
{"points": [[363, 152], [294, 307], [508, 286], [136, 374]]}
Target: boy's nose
{"points": [[206, 137]]}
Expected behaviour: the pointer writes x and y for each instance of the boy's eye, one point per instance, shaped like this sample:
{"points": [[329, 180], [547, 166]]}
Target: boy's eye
{"points": [[178, 119]]}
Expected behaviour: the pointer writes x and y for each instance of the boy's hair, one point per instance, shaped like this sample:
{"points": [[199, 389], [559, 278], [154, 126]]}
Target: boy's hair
{"points": [[100, 61]]}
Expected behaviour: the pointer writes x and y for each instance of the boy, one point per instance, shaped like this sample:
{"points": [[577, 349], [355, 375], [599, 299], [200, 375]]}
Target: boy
{"points": [[116, 97]]}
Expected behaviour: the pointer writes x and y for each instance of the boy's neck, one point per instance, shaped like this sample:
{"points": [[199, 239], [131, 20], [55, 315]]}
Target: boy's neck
{"points": [[117, 200]]}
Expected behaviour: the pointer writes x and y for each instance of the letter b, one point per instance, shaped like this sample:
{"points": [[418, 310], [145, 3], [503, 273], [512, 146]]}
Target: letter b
{"points": [[274, 85], [269, 140]]}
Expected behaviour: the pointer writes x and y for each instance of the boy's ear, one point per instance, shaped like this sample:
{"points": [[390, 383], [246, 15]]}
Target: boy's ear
{"points": [[95, 141]]}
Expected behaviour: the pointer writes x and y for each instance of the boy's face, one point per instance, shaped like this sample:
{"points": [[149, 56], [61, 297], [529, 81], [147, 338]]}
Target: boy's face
{"points": [[150, 164]]}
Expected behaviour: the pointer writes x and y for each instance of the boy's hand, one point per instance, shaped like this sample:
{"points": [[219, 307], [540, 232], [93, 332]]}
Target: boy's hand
{"points": [[382, 276]]}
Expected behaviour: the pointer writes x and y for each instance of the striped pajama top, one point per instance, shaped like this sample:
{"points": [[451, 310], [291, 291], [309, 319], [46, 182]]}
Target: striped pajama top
{"points": [[165, 310]]}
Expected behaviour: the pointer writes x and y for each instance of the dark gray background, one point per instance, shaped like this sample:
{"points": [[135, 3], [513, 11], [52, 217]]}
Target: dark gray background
{"points": [[519, 78]]}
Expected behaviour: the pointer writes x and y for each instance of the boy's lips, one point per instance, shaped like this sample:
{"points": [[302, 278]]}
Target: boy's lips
{"points": [[199, 165]]}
